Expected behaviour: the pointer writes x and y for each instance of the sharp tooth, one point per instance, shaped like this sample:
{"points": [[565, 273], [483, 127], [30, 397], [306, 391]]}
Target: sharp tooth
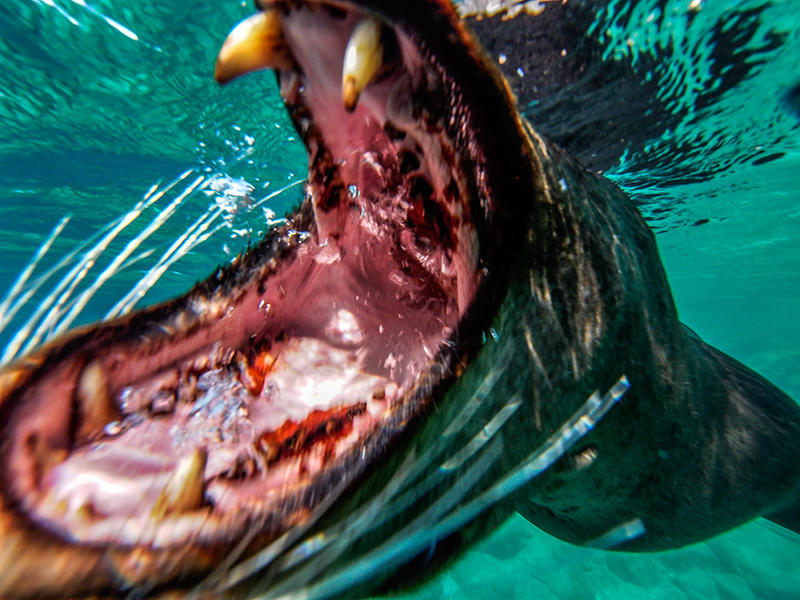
{"points": [[95, 407], [184, 490], [362, 60], [254, 44]]}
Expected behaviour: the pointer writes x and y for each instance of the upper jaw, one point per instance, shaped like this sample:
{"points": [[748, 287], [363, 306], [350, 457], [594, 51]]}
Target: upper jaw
{"points": [[373, 110], [451, 90]]}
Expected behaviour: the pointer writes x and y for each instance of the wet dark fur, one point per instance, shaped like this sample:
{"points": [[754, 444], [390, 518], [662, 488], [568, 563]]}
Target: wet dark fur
{"points": [[700, 444]]}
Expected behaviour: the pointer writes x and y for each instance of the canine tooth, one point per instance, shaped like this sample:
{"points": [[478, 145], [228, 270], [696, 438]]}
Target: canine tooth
{"points": [[362, 60], [95, 407], [184, 490], [254, 44]]}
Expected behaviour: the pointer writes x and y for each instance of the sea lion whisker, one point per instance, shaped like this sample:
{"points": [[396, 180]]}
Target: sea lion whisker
{"points": [[63, 292], [356, 522], [387, 503], [227, 575], [581, 422], [138, 258], [447, 466], [619, 535], [51, 308], [13, 301], [372, 519], [12, 349], [403, 545], [483, 436], [480, 396], [194, 235], [129, 248], [571, 431]]}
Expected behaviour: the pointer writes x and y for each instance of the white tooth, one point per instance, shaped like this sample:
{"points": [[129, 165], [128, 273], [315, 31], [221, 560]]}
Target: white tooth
{"points": [[362, 60], [95, 407], [184, 490], [255, 43]]}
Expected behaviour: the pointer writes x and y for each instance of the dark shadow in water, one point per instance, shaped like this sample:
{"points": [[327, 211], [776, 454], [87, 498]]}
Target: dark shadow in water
{"points": [[792, 100], [599, 110]]}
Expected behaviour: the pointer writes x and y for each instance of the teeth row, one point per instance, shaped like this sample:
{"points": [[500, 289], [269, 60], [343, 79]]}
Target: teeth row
{"points": [[363, 58], [259, 43]]}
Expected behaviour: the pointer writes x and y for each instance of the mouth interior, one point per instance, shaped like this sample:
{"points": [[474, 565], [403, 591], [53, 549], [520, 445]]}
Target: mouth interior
{"points": [[303, 375]]}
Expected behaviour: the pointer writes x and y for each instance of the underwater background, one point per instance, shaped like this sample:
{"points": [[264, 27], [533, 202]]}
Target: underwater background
{"points": [[692, 106]]}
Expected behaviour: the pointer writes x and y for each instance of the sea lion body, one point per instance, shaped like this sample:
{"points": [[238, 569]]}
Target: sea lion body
{"points": [[699, 444]]}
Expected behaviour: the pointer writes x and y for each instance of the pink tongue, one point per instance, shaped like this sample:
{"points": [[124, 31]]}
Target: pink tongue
{"points": [[112, 479], [124, 475]]}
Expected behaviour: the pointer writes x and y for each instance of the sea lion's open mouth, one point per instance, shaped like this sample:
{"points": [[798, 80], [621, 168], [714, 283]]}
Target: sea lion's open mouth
{"points": [[445, 258], [243, 404]]}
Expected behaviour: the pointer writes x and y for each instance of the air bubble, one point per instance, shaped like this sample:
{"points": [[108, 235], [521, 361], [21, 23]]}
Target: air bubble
{"points": [[114, 428]]}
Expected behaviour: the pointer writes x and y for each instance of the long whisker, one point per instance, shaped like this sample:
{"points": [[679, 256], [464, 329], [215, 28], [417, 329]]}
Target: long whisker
{"points": [[577, 426], [195, 235], [381, 511], [227, 576], [11, 350], [58, 310], [383, 507], [51, 308], [8, 308], [401, 546], [386, 505], [113, 268], [21, 301], [428, 528]]}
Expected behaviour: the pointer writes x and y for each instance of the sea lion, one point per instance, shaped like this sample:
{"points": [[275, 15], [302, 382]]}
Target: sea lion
{"points": [[385, 376]]}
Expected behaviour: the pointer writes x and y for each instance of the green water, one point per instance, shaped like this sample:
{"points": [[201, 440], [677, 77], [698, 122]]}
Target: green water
{"points": [[95, 113]]}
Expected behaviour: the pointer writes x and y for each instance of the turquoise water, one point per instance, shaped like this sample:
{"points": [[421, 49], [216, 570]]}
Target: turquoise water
{"points": [[99, 102]]}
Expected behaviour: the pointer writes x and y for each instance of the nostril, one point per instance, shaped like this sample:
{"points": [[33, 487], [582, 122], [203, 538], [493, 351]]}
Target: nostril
{"points": [[408, 162], [420, 188], [393, 132], [336, 12]]}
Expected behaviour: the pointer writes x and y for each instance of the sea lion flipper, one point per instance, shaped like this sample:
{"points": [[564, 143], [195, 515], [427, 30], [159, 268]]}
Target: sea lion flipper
{"points": [[724, 452], [691, 333], [789, 518], [759, 443]]}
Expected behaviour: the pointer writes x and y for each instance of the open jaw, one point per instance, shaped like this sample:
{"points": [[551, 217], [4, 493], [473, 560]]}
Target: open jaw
{"points": [[242, 404]]}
